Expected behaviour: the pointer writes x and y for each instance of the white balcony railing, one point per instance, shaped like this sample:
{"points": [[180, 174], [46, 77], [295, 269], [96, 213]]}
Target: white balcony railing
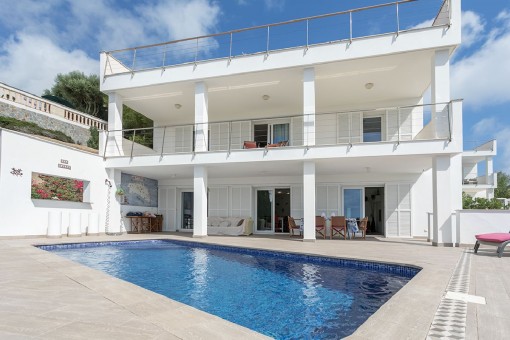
{"points": [[394, 124], [33, 102], [388, 18]]}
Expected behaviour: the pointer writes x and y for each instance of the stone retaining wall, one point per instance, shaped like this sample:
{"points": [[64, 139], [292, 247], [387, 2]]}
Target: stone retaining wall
{"points": [[79, 134]]}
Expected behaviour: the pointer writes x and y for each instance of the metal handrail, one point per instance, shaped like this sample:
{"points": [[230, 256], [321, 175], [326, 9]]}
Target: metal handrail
{"points": [[266, 25], [288, 116]]}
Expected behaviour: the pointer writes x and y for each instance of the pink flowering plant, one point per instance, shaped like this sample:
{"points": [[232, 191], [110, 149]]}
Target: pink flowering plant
{"points": [[56, 188]]}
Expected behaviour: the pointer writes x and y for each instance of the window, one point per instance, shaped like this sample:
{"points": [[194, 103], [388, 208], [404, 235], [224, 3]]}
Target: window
{"points": [[270, 133], [372, 129], [49, 187]]}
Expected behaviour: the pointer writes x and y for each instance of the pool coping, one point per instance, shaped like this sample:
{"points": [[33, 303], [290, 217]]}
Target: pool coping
{"points": [[398, 317]]}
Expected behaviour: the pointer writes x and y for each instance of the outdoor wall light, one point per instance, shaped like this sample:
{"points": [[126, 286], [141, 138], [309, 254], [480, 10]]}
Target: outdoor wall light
{"points": [[368, 86], [265, 97], [178, 106]]}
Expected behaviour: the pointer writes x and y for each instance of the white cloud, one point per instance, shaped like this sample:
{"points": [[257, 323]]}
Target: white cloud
{"points": [[31, 62], [44, 38], [483, 126], [424, 24], [274, 4], [482, 77], [472, 28]]}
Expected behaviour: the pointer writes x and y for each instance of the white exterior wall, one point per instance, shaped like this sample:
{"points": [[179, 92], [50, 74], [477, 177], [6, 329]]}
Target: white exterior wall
{"points": [[422, 206], [474, 222], [22, 215]]}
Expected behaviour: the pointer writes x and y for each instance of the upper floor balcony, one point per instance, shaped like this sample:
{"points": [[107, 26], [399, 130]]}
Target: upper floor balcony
{"points": [[477, 168], [390, 125]]}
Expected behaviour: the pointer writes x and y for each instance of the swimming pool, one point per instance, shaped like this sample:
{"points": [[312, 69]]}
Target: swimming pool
{"points": [[285, 296]]}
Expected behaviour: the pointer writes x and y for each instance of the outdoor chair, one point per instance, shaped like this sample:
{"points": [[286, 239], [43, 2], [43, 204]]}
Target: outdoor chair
{"points": [[320, 226], [338, 226], [293, 227], [362, 227], [250, 145], [499, 240]]}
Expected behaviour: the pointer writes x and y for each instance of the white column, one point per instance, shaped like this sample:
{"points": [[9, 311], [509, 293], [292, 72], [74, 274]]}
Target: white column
{"points": [[114, 143], [309, 201], [116, 223], [201, 117], [440, 92], [309, 105], [447, 198], [200, 201]]}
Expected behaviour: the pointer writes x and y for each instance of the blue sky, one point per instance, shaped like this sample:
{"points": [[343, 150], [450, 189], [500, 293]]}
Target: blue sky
{"points": [[39, 39]]}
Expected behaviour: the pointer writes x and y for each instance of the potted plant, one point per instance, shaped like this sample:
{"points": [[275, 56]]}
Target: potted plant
{"points": [[120, 192]]}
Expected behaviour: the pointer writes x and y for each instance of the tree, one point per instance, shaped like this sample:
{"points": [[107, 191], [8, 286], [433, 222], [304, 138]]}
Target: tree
{"points": [[80, 90], [93, 141], [503, 188]]}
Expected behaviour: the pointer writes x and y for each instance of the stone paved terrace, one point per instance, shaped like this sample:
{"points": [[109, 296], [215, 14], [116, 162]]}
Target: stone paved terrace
{"points": [[45, 296]]}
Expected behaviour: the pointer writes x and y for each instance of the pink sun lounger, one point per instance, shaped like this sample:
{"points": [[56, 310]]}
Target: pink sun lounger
{"points": [[499, 240]]}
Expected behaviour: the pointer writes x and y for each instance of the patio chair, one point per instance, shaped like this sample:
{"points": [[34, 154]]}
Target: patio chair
{"points": [[362, 227], [499, 240], [338, 226], [250, 144], [320, 226], [293, 227]]}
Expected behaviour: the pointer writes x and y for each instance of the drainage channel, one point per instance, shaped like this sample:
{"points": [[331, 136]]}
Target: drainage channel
{"points": [[450, 318]]}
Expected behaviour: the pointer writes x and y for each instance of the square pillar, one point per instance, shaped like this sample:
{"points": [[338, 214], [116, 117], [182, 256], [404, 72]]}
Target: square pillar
{"points": [[200, 201], [447, 198], [201, 117], [309, 201], [440, 92], [309, 106], [114, 142]]}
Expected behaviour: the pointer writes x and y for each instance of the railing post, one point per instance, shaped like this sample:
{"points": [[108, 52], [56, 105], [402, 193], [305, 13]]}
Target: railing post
{"points": [[398, 125], [164, 57], [307, 34], [106, 143], [196, 52], [350, 27], [229, 136], [267, 42], [398, 20], [349, 128], [133, 143], [163, 142], [230, 52], [449, 106], [134, 61]]}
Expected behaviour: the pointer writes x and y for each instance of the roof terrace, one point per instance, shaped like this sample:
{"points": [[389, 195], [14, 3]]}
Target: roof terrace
{"points": [[349, 25]]}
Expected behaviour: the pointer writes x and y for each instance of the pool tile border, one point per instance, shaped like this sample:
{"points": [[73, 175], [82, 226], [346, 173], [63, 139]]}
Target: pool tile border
{"points": [[406, 271]]}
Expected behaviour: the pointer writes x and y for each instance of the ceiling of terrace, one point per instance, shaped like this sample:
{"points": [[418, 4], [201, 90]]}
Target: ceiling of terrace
{"points": [[399, 78], [373, 166]]}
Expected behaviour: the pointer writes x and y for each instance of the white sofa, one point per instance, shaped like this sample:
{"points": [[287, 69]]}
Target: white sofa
{"points": [[229, 226]]}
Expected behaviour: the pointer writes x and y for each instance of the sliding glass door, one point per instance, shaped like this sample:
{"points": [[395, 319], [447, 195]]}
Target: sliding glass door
{"points": [[273, 207], [353, 203], [265, 210]]}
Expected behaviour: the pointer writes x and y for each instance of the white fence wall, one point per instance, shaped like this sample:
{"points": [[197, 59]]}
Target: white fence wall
{"points": [[474, 222], [22, 215]]}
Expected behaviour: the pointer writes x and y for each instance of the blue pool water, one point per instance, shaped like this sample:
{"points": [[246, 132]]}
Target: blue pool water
{"points": [[285, 296]]}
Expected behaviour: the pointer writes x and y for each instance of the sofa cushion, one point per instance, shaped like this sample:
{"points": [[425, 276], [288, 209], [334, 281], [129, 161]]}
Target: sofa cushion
{"points": [[224, 224]]}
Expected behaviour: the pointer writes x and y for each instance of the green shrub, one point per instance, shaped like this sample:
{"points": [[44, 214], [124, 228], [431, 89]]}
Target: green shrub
{"points": [[93, 141], [33, 129], [469, 202]]}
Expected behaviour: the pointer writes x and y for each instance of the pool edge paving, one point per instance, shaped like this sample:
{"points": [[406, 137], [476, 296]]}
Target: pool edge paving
{"points": [[121, 305]]}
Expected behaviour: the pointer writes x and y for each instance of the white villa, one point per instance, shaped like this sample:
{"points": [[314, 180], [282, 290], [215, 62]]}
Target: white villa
{"points": [[274, 121]]}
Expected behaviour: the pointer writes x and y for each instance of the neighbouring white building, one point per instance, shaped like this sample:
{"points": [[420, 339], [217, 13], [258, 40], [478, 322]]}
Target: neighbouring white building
{"points": [[302, 118]]}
